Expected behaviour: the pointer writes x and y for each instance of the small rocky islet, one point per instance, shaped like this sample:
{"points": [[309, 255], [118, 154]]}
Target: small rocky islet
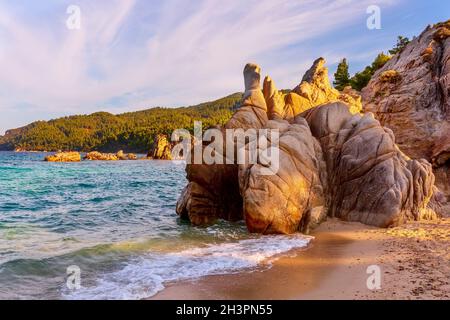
{"points": [[160, 150]]}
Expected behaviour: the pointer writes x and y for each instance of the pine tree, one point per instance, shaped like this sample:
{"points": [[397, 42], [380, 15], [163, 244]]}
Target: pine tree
{"points": [[361, 79], [342, 76], [402, 42], [380, 61]]}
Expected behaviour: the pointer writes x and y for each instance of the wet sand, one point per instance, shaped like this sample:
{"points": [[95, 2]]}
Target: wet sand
{"points": [[413, 260]]}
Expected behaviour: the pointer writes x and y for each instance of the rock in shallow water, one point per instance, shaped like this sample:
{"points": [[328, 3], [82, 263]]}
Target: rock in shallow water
{"points": [[213, 190], [332, 161], [120, 155], [161, 148], [64, 157], [283, 202], [368, 178]]}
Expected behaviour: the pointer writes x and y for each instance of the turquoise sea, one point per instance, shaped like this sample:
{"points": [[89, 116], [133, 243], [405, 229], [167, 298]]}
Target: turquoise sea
{"points": [[116, 222]]}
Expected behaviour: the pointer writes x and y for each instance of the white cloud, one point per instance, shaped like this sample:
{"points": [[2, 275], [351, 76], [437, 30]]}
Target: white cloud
{"points": [[184, 52]]}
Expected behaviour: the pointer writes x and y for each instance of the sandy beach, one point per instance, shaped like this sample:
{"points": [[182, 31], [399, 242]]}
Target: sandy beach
{"points": [[413, 260]]}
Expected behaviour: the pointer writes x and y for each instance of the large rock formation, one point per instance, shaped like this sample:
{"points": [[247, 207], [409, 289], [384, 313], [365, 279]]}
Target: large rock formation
{"points": [[314, 89], [213, 190], [283, 202], [64, 157], [411, 96], [332, 161], [368, 178], [161, 148]]}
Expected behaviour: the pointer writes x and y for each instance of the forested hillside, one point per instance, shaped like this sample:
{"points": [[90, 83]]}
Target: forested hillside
{"points": [[102, 131]]}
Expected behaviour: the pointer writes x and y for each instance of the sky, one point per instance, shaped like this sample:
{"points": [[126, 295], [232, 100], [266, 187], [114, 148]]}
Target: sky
{"points": [[127, 55]]}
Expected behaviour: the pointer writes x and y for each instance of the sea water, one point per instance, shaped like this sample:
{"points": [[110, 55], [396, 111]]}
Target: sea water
{"points": [[116, 222]]}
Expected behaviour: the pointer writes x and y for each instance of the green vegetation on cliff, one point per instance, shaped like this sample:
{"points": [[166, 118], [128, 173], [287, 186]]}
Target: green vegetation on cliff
{"points": [[136, 131], [362, 78], [131, 132], [402, 42], [342, 76]]}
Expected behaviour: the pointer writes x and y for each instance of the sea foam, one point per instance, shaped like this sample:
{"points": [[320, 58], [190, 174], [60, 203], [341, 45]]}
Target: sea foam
{"points": [[147, 275]]}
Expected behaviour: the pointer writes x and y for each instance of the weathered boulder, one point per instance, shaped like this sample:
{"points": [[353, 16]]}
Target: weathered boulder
{"points": [[125, 156], [315, 89], [252, 113], [212, 190], [344, 165], [283, 202], [161, 148], [131, 156], [332, 161], [368, 178], [64, 157], [121, 155], [98, 156], [411, 96]]}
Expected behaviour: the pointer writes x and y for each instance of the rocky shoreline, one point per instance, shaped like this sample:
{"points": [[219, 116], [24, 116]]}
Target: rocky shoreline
{"points": [[64, 157], [160, 150], [338, 152], [413, 261], [73, 156], [380, 157]]}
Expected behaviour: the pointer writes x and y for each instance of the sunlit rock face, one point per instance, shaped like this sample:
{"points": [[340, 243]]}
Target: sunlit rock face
{"points": [[64, 157], [368, 178], [314, 90], [213, 190], [415, 104], [252, 113], [283, 202], [347, 165], [161, 148], [332, 161]]}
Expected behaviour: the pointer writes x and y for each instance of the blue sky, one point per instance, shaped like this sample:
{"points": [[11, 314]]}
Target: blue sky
{"points": [[135, 54]]}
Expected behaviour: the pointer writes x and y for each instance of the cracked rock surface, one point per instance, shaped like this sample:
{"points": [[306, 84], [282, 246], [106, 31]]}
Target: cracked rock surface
{"points": [[333, 161], [416, 106]]}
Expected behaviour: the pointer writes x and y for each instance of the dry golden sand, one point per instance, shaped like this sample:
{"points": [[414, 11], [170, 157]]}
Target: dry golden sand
{"points": [[414, 263], [417, 260]]}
